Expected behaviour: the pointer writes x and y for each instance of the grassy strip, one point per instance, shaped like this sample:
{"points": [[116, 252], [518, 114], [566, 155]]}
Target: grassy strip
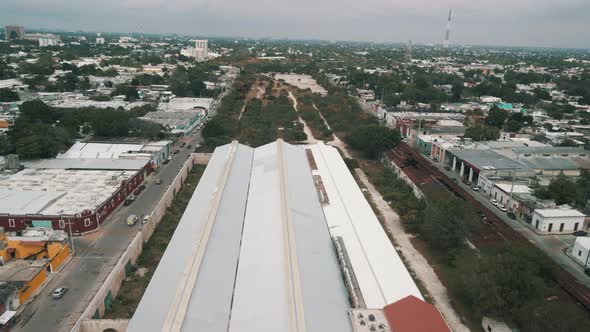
{"points": [[132, 289]]}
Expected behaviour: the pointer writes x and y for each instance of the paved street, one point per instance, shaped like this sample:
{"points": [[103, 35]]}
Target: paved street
{"points": [[96, 255], [553, 245]]}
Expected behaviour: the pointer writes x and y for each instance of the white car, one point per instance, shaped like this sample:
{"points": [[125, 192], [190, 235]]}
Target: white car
{"points": [[494, 202], [58, 293], [146, 218], [502, 208]]}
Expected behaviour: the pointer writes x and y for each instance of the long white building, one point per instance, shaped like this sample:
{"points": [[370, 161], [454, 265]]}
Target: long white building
{"points": [[277, 238], [252, 252]]}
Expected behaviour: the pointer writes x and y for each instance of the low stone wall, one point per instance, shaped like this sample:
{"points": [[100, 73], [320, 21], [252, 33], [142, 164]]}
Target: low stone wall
{"points": [[401, 175], [89, 321]]}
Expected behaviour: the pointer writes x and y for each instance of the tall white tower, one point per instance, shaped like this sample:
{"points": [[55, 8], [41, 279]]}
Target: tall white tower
{"points": [[201, 49], [447, 41]]}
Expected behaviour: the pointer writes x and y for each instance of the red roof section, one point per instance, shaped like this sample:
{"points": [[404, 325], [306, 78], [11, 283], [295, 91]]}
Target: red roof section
{"points": [[411, 314]]}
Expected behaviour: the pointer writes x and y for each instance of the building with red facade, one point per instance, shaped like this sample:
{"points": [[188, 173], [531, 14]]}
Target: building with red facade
{"points": [[68, 194]]}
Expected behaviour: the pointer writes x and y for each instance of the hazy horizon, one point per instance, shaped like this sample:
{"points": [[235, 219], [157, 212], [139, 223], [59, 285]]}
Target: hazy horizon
{"points": [[525, 23]]}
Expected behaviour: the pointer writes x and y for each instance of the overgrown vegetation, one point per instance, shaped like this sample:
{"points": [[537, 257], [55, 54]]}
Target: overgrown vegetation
{"points": [[42, 131], [132, 289]]}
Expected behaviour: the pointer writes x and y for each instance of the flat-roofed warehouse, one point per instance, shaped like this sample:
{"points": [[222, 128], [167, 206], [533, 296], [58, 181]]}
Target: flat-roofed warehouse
{"points": [[252, 252]]}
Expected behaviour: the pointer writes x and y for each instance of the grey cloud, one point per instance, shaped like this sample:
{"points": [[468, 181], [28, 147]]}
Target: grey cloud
{"points": [[501, 22]]}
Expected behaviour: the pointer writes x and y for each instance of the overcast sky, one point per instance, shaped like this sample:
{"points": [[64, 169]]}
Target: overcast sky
{"points": [[554, 23]]}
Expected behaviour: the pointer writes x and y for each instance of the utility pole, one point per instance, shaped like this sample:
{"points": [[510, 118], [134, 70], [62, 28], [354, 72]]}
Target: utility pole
{"points": [[71, 238], [512, 186]]}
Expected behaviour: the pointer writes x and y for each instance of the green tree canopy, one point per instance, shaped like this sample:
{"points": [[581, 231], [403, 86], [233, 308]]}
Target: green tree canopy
{"points": [[7, 95], [496, 117], [482, 133], [373, 139]]}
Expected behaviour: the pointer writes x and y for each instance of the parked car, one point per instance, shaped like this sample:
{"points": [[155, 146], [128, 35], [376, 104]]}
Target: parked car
{"points": [[455, 180], [169, 158], [511, 215], [580, 233], [467, 182], [127, 202], [447, 168], [176, 152], [132, 197], [158, 181], [182, 144], [132, 220], [141, 188], [435, 160], [502, 208], [58, 293], [145, 219], [476, 188], [494, 202], [189, 146]]}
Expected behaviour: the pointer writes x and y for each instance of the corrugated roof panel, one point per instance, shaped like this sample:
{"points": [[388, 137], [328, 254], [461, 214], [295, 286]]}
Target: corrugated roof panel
{"points": [[382, 275], [210, 302], [324, 295], [260, 297], [158, 297]]}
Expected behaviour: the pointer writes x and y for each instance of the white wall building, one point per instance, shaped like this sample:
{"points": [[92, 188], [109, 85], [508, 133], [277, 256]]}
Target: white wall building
{"points": [[49, 40], [501, 193], [558, 221], [200, 52], [581, 251]]}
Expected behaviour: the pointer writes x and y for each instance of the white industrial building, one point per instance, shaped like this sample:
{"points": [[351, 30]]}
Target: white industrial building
{"points": [[502, 193], [271, 240], [581, 251], [377, 275], [558, 221], [156, 151], [252, 252]]}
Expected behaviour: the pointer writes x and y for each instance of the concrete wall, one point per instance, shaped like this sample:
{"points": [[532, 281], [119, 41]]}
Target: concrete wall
{"points": [[580, 253], [568, 224], [91, 325], [113, 282], [401, 175]]}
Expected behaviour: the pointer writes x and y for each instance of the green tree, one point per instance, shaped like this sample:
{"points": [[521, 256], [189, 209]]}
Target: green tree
{"points": [[482, 133], [513, 126], [562, 190], [373, 139], [446, 223], [502, 279], [7, 95], [4, 144], [457, 90], [496, 117]]}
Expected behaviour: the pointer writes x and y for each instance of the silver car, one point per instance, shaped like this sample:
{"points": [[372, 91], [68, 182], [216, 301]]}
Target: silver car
{"points": [[58, 293]]}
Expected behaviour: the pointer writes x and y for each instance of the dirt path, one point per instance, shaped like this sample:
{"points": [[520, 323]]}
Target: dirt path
{"points": [[415, 260], [256, 91], [336, 140], [306, 130]]}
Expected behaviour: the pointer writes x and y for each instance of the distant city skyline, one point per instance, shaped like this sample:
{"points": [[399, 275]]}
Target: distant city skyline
{"points": [[540, 23]]}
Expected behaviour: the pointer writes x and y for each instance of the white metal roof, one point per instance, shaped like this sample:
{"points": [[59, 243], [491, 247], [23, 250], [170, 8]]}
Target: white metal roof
{"points": [[26, 202], [559, 212], [251, 253], [99, 150], [380, 272], [517, 188], [83, 189], [90, 163]]}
